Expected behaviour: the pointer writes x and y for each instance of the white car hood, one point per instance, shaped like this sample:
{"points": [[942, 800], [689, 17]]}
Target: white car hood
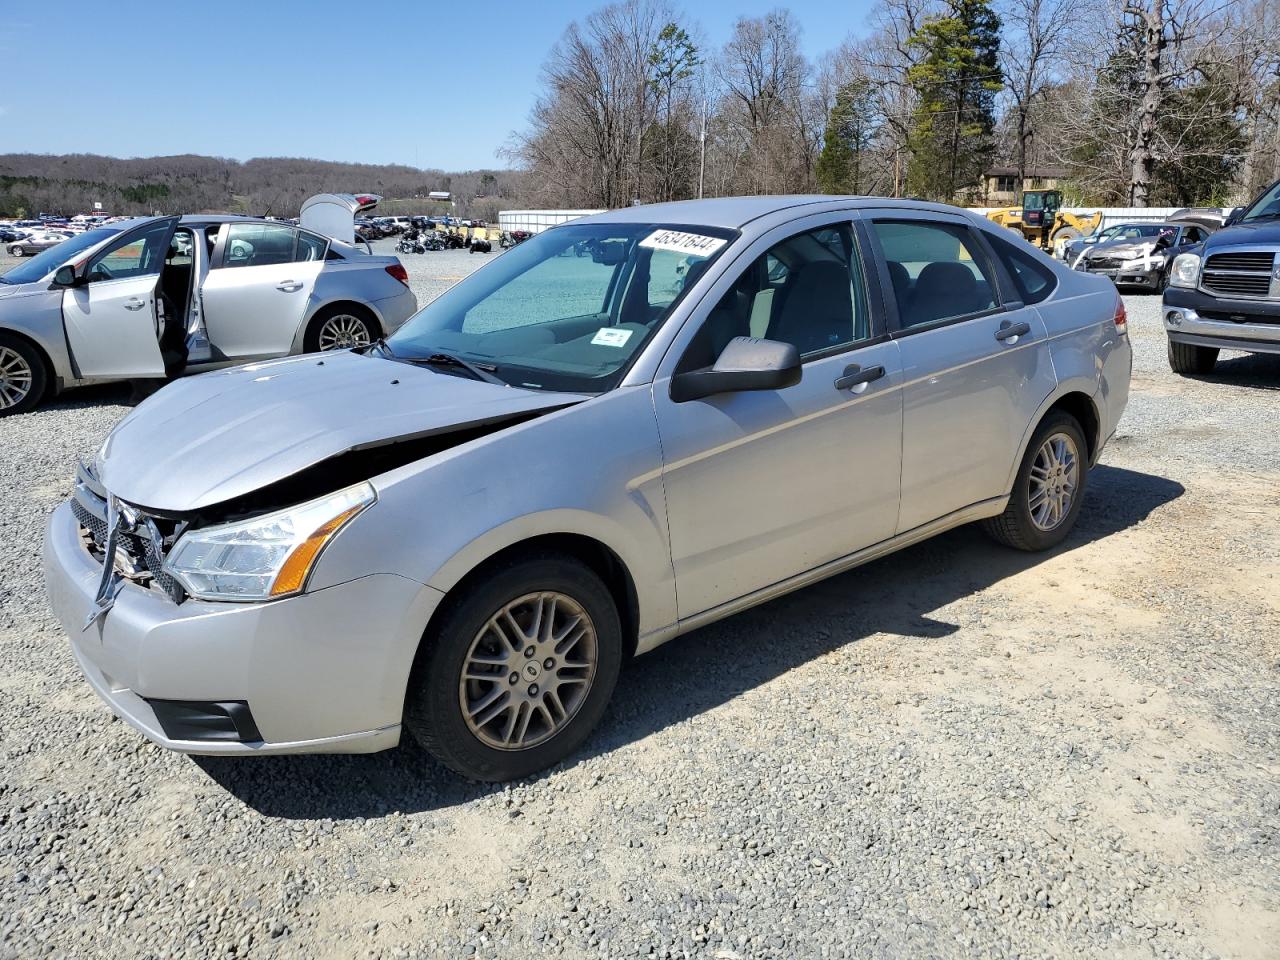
{"points": [[218, 436]]}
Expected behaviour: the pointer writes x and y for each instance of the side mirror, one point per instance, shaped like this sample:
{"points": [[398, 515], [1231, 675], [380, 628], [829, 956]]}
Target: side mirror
{"points": [[65, 276], [746, 363], [1233, 216]]}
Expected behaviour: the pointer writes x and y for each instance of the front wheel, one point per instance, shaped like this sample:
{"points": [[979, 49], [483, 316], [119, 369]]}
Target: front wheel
{"points": [[1190, 360], [18, 250], [518, 671], [1048, 490]]}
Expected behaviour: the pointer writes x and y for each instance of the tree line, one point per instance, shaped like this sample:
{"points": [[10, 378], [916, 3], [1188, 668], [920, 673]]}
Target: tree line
{"points": [[1138, 102], [264, 186]]}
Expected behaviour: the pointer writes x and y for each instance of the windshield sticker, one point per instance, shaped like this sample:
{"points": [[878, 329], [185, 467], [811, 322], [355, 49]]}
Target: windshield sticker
{"points": [[611, 337], [692, 244]]}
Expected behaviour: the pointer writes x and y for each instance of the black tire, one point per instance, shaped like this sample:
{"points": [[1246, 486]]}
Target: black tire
{"points": [[18, 250], [39, 374], [311, 341], [1190, 360], [1015, 527], [433, 709]]}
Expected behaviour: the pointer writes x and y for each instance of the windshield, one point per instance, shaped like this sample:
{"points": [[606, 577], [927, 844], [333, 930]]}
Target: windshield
{"points": [[1265, 207], [1133, 231], [43, 264], [568, 309]]}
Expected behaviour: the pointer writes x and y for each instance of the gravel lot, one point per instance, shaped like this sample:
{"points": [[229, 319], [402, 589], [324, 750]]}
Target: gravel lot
{"points": [[957, 751]]}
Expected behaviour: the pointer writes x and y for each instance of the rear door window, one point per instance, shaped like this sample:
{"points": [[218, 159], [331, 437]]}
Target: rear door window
{"points": [[937, 270], [257, 245]]}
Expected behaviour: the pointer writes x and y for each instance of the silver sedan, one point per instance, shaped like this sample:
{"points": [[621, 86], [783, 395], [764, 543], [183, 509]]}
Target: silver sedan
{"points": [[625, 428], [161, 296]]}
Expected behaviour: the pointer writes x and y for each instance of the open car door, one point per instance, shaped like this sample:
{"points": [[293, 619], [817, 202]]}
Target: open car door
{"points": [[110, 314]]}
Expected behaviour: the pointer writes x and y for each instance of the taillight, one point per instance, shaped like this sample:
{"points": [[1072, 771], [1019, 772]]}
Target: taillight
{"points": [[398, 271], [1122, 318]]}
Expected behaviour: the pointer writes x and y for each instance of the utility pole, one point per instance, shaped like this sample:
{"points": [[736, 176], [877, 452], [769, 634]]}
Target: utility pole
{"points": [[702, 158]]}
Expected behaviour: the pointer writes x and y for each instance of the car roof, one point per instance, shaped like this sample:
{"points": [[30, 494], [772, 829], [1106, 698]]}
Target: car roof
{"points": [[735, 212]]}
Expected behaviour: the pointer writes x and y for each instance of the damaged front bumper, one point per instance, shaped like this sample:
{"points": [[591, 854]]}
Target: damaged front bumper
{"points": [[321, 672]]}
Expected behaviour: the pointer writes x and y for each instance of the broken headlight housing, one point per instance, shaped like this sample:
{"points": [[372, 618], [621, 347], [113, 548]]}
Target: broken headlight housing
{"points": [[267, 557]]}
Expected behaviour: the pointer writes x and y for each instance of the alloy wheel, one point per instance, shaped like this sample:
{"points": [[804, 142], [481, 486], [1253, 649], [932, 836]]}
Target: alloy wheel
{"points": [[15, 378], [528, 671], [342, 332], [1054, 479]]}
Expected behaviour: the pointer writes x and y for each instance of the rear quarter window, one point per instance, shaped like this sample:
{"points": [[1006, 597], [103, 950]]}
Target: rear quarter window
{"points": [[1032, 279]]}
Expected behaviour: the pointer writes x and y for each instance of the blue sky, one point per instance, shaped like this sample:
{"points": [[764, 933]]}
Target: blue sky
{"points": [[427, 84]]}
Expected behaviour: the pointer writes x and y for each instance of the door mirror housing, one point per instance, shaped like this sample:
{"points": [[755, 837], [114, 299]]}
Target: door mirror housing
{"points": [[65, 276], [746, 363], [1233, 216]]}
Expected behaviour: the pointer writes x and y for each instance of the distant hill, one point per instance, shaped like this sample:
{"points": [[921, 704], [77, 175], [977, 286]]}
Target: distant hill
{"points": [[71, 183]]}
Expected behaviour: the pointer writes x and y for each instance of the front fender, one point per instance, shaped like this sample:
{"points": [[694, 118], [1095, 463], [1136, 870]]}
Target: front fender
{"points": [[37, 316]]}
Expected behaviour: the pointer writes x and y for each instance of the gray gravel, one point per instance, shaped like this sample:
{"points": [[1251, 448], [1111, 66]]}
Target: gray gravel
{"points": [[958, 751]]}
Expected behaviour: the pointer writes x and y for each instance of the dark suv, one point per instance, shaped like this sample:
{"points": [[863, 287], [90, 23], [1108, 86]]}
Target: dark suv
{"points": [[1225, 293]]}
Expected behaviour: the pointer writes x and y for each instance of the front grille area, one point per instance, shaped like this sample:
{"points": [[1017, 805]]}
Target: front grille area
{"points": [[1105, 263], [139, 549], [1251, 260], [1239, 274]]}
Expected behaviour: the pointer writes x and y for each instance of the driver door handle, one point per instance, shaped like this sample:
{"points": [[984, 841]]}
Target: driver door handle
{"points": [[1008, 330], [289, 286], [856, 376], [133, 303]]}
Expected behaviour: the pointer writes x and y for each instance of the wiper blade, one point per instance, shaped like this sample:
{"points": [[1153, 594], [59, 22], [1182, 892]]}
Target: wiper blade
{"points": [[479, 371]]}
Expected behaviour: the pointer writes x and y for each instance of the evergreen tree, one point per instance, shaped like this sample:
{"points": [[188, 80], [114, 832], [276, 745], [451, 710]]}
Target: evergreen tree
{"points": [[851, 129], [673, 60], [956, 83]]}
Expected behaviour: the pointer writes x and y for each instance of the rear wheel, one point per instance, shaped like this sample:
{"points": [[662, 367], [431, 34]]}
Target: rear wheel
{"points": [[1048, 490], [340, 327], [1188, 359], [518, 671], [23, 377]]}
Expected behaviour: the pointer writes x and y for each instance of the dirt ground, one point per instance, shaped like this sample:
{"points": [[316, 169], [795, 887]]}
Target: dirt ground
{"points": [[956, 751]]}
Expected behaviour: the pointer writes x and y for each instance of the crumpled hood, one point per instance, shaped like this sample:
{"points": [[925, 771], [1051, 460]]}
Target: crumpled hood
{"points": [[214, 437], [1122, 249]]}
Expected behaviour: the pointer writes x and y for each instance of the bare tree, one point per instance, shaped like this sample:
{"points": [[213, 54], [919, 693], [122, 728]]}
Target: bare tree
{"points": [[763, 73], [1036, 33]]}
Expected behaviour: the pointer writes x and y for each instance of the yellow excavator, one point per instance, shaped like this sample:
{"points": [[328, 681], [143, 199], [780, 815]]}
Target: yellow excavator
{"points": [[1041, 219]]}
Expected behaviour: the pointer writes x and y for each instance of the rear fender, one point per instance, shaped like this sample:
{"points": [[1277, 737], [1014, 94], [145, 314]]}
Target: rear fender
{"points": [[1076, 385]]}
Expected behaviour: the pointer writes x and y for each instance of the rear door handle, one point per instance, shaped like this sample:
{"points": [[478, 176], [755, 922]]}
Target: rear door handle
{"points": [[133, 303], [1009, 330], [290, 286], [856, 376]]}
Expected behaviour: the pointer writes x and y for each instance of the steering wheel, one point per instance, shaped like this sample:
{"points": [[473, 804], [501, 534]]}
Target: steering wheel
{"points": [[101, 272]]}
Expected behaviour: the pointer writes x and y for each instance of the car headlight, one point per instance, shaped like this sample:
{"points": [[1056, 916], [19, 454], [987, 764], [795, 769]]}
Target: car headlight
{"points": [[267, 557], [1185, 270]]}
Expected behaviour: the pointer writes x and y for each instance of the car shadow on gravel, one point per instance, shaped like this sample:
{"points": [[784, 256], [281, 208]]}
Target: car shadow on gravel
{"points": [[707, 667], [1258, 370]]}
